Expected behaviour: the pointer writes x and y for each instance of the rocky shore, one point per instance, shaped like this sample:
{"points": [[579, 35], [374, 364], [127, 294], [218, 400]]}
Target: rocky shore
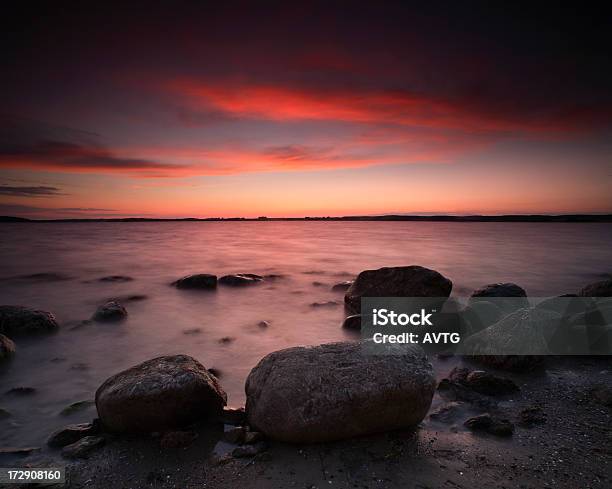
{"points": [[331, 415]]}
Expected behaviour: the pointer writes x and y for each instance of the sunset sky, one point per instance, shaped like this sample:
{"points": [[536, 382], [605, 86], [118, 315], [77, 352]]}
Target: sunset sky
{"points": [[182, 109]]}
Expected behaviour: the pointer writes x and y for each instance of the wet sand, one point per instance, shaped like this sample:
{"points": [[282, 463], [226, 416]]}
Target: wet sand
{"points": [[570, 450]]}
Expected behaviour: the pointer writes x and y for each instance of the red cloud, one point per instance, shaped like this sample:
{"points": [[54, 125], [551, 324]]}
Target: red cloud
{"points": [[403, 108]]}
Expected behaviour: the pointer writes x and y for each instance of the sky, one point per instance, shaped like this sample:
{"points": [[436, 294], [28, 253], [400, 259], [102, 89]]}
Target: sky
{"points": [[190, 109]]}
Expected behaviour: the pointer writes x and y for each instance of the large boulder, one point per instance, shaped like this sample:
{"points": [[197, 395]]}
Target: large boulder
{"points": [[597, 289], [160, 394], [336, 391], [7, 347], [197, 281], [410, 281], [500, 290], [19, 320]]}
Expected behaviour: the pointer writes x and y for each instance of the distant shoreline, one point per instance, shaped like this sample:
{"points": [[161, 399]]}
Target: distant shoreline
{"points": [[586, 218]]}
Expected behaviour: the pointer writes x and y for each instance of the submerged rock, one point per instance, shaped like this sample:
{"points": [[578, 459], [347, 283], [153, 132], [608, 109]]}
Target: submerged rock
{"points": [[44, 277], [489, 424], [116, 279], [342, 286], [410, 281], [241, 279], [18, 320], [336, 391], [83, 448], [500, 290], [7, 347], [76, 407], [110, 312], [352, 322], [597, 289], [197, 281], [325, 304], [4, 413], [71, 434], [20, 391], [160, 394]]}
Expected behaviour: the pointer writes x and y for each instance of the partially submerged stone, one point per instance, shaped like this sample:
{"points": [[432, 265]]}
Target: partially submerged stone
{"points": [[241, 279], [19, 320], [71, 434], [161, 394], [197, 281], [7, 347], [409, 281], [110, 312]]}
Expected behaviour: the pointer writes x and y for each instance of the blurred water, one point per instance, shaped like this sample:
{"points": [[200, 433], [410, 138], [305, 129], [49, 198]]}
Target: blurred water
{"points": [[546, 259]]}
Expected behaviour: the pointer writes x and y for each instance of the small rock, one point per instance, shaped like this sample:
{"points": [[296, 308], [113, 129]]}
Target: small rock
{"points": [[44, 277], [21, 391], [226, 339], [263, 324], [352, 322], [71, 434], [192, 331], [233, 416], [532, 416], [115, 279], [325, 304], [342, 286], [249, 450], [241, 279], [252, 437], [197, 281], [318, 284], [83, 448], [487, 423], [489, 384], [110, 312], [4, 414], [76, 407], [18, 320], [177, 439], [447, 413], [215, 371], [235, 434], [7, 347]]}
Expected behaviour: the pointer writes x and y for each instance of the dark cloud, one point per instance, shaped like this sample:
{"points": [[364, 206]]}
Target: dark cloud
{"points": [[40, 191], [24, 144]]}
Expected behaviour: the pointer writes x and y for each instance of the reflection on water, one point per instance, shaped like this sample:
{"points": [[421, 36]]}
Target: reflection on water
{"points": [[546, 259]]}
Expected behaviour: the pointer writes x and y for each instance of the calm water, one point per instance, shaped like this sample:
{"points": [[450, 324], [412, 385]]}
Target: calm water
{"points": [[546, 259]]}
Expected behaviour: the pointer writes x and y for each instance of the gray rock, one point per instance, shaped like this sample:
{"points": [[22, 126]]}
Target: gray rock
{"points": [[197, 281], [241, 279], [110, 312], [7, 347], [160, 394], [410, 281], [249, 450], [489, 424], [518, 341], [352, 322], [597, 289], [336, 391], [18, 320], [71, 434], [448, 413], [83, 448]]}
